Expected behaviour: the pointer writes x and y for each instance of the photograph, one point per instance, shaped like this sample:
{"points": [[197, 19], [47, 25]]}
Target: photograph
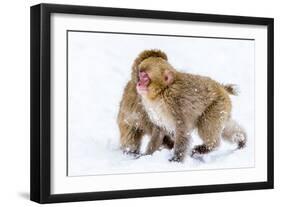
{"points": [[144, 103]]}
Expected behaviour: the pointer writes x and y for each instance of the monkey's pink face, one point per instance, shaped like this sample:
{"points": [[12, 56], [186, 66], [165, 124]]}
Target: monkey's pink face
{"points": [[152, 82], [143, 82]]}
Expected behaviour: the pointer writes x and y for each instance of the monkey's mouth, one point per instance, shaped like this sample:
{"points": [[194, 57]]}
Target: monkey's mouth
{"points": [[144, 81]]}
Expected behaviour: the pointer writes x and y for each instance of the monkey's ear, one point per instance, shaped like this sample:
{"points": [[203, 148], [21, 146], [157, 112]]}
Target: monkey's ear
{"points": [[168, 77]]}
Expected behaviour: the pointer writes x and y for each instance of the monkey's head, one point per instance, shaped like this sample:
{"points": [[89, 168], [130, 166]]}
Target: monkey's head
{"points": [[143, 56], [155, 75]]}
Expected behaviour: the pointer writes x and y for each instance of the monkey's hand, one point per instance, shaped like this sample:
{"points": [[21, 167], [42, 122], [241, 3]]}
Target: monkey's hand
{"points": [[133, 153], [177, 157]]}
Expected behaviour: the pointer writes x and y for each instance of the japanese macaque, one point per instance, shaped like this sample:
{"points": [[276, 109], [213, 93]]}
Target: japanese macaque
{"points": [[179, 102], [133, 120]]}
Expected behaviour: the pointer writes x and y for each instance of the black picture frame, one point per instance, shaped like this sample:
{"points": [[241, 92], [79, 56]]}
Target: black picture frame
{"points": [[41, 98]]}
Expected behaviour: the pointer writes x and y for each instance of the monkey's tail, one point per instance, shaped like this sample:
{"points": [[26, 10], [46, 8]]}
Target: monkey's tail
{"points": [[231, 89], [235, 133]]}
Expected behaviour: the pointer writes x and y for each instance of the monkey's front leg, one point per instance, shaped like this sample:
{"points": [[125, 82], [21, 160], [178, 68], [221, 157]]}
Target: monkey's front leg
{"points": [[155, 140], [182, 140]]}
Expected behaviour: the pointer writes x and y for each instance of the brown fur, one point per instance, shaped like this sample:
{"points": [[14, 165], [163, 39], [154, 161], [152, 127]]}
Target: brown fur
{"points": [[180, 102], [132, 119]]}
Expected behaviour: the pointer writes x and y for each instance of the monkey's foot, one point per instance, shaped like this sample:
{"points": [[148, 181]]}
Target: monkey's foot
{"points": [[200, 150], [240, 139], [241, 144]]}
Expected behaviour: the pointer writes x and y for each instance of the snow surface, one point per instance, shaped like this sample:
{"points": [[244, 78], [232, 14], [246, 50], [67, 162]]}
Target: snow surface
{"points": [[98, 69]]}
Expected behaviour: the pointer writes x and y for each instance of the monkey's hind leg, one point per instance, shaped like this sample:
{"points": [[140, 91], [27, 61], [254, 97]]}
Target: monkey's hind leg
{"points": [[210, 126], [131, 139], [234, 133]]}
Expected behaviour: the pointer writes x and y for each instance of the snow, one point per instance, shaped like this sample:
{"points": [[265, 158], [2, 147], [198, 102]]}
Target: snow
{"points": [[98, 69]]}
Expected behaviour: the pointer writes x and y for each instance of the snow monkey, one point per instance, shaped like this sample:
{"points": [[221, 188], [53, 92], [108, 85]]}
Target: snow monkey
{"points": [[181, 102], [133, 120]]}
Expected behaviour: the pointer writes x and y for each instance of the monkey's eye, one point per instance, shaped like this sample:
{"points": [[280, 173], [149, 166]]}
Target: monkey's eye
{"points": [[140, 71]]}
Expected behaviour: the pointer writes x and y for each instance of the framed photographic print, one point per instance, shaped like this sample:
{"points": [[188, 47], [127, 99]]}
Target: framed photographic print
{"points": [[132, 103]]}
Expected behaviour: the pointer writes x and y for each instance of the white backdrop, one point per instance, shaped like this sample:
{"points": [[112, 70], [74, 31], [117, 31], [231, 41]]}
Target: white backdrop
{"points": [[14, 108], [98, 70]]}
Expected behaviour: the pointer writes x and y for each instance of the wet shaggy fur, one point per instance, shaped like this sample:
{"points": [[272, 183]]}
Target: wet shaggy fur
{"points": [[180, 102], [133, 120]]}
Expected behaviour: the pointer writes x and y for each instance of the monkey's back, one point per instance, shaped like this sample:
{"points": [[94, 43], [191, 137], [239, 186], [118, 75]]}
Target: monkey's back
{"points": [[193, 94]]}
